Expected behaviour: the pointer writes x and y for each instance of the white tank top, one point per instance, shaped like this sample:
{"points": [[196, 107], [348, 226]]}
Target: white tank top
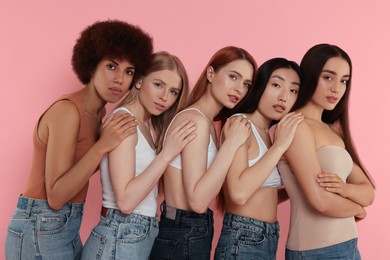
{"points": [[274, 180], [144, 156], [211, 151]]}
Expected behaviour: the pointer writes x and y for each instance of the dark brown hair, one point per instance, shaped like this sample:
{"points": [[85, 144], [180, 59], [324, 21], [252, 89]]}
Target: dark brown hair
{"points": [[110, 39]]}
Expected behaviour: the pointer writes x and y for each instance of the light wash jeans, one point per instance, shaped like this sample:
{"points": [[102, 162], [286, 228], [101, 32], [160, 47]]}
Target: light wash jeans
{"points": [[246, 238], [38, 232], [121, 236], [183, 235], [344, 251]]}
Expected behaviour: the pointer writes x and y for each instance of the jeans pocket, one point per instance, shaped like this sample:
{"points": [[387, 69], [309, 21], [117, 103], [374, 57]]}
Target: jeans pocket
{"points": [[132, 233], [13, 245], [94, 246], [51, 224], [163, 249]]}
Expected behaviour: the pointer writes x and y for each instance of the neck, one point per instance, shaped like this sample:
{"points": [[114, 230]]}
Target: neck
{"points": [[209, 107], [139, 111], [260, 121], [312, 111], [92, 102]]}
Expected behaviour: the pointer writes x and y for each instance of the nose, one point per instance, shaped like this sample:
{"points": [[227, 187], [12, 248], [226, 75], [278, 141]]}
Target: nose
{"points": [[118, 77], [283, 96], [164, 96], [239, 89], [335, 88]]}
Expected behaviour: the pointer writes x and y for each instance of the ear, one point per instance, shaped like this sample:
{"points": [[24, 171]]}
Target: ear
{"points": [[210, 73], [138, 84]]}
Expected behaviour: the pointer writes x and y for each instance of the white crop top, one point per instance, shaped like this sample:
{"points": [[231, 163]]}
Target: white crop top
{"points": [[144, 156], [211, 151], [274, 180]]}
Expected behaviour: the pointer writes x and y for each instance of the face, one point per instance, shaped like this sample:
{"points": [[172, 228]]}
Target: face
{"points": [[280, 94], [230, 83], [159, 90], [112, 79], [332, 83]]}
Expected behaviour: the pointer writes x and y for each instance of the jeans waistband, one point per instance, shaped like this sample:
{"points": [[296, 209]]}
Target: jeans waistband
{"points": [[177, 214], [118, 216], [232, 220], [37, 206]]}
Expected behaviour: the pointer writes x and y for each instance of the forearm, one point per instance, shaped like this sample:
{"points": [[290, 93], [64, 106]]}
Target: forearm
{"points": [[137, 188], [362, 194], [210, 183], [73, 180]]}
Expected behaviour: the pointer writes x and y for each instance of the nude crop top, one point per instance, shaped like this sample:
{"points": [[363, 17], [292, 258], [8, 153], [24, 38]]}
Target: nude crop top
{"points": [[310, 229], [273, 180], [211, 151], [144, 156]]}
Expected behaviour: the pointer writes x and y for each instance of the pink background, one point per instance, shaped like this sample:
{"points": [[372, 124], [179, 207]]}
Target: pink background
{"points": [[37, 40]]}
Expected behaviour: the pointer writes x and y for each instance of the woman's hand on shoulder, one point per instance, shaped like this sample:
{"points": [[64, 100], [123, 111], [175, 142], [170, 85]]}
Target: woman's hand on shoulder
{"points": [[286, 128], [178, 138], [115, 129], [236, 131]]}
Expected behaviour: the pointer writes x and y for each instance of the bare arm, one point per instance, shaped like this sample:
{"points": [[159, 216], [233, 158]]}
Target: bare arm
{"points": [[201, 184], [65, 177], [243, 181], [129, 189], [357, 187], [304, 164]]}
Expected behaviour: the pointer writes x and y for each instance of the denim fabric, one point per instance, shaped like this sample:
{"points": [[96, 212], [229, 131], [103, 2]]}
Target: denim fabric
{"points": [[344, 251], [247, 238], [183, 235], [38, 232], [121, 236]]}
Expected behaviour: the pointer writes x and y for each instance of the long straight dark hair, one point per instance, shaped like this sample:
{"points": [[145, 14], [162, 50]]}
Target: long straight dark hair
{"points": [[312, 65]]}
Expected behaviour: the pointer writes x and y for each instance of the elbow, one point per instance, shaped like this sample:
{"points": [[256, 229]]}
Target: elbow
{"points": [[369, 200], [55, 204], [239, 198], [198, 206], [124, 207], [320, 205]]}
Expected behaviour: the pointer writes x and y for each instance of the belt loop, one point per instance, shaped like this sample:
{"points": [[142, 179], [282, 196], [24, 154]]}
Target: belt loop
{"points": [[30, 203], [178, 217]]}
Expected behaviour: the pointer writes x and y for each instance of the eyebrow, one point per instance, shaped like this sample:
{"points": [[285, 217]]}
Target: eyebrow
{"points": [[281, 78], [334, 73]]}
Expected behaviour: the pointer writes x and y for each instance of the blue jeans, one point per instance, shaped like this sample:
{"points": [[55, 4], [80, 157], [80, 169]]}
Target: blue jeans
{"points": [[183, 235], [38, 232], [247, 238], [121, 236], [344, 251]]}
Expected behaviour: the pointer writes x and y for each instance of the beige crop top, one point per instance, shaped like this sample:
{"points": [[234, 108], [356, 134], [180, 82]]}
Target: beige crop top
{"points": [[310, 229]]}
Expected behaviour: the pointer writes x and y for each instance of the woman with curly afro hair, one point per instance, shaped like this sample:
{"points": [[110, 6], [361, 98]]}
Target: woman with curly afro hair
{"points": [[70, 140]]}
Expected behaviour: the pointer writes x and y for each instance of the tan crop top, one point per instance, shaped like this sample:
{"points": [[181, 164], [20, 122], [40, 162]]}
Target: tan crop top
{"points": [[36, 186], [310, 229]]}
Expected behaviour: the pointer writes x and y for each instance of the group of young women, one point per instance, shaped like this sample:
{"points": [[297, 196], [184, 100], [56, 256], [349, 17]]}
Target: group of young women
{"points": [[162, 136]]}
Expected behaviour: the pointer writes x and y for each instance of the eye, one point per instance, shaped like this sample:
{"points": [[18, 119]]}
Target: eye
{"points": [[248, 85], [295, 91], [275, 85], [130, 72], [345, 81], [328, 78], [111, 66], [175, 92], [233, 77], [157, 84]]}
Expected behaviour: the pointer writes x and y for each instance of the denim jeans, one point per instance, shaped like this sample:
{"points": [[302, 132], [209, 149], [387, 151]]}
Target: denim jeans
{"points": [[344, 251], [183, 235], [38, 232], [121, 236], [247, 238]]}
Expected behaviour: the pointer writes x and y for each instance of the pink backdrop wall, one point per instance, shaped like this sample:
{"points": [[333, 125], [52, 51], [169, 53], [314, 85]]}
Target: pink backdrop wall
{"points": [[36, 44]]}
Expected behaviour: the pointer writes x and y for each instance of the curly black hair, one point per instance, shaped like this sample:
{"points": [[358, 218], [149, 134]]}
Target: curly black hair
{"points": [[110, 39]]}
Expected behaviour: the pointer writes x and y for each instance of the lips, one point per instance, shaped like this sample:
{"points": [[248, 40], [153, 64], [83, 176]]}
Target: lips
{"points": [[159, 106], [234, 98], [332, 99], [116, 91], [279, 108]]}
